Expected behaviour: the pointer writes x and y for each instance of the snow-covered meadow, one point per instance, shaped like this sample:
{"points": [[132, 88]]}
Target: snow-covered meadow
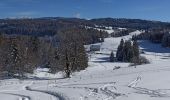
{"points": [[101, 80]]}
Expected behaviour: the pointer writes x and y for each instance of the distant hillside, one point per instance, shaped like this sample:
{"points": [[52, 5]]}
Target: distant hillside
{"points": [[52, 25], [129, 23]]}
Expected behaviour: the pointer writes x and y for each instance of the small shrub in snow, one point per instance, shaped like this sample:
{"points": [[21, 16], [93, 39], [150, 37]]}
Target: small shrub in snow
{"points": [[143, 60], [139, 61]]}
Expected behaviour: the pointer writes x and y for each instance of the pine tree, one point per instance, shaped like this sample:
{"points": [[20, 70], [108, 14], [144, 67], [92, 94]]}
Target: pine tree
{"points": [[14, 59], [112, 59], [119, 53], [134, 38], [166, 40], [136, 49], [81, 59], [67, 68], [31, 46], [34, 43], [128, 51]]}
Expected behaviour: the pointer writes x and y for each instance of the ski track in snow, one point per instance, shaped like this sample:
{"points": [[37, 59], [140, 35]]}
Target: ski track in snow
{"points": [[135, 82], [56, 95], [30, 96], [20, 97], [151, 93], [104, 91], [110, 93]]}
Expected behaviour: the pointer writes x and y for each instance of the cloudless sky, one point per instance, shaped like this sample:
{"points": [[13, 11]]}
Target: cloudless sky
{"points": [[138, 9]]}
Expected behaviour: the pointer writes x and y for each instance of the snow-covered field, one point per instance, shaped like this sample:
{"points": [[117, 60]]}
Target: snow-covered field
{"points": [[101, 80]]}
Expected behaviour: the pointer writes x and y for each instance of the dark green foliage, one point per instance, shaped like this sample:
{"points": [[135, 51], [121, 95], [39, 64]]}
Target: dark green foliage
{"points": [[49, 26], [136, 49], [70, 57], [139, 61], [128, 23], [71, 54], [34, 43], [156, 35], [13, 59], [134, 38], [127, 51], [23, 54], [119, 33], [112, 58], [119, 54], [166, 40]]}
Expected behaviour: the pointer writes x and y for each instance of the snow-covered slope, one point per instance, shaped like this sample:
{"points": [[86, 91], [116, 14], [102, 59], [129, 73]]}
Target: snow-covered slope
{"points": [[102, 80], [109, 30]]}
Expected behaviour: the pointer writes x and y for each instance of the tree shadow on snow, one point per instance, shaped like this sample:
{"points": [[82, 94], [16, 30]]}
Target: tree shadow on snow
{"points": [[102, 60], [152, 47]]}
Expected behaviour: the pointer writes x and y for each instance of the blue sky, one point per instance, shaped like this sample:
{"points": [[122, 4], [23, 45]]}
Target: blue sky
{"points": [[142, 9]]}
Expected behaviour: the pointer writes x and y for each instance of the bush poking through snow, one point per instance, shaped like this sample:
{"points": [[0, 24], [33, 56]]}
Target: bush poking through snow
{"points": [[139, 61]]}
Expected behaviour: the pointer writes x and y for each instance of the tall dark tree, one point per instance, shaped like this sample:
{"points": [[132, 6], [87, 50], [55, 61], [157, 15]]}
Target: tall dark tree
{"points": [[112, 58], [14, 60], [67, 68], [70, 54], [166, 40], [134, 38], [136, 49], [119, 53], [128, 51]]}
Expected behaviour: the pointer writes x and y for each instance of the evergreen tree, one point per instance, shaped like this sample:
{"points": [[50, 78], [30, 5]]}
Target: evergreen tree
{"points": [[67, 67], [134, 38], [119, 53], [34, 43], [14, 62], [69, 57], [136, 59], [80, 58], [136, 49], [112, 57], [166, 40], [32, 53], [128, 52]]}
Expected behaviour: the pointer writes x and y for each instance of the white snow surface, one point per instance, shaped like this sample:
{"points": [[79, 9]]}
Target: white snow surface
{"points": [[109, 30], [100, 81]]}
